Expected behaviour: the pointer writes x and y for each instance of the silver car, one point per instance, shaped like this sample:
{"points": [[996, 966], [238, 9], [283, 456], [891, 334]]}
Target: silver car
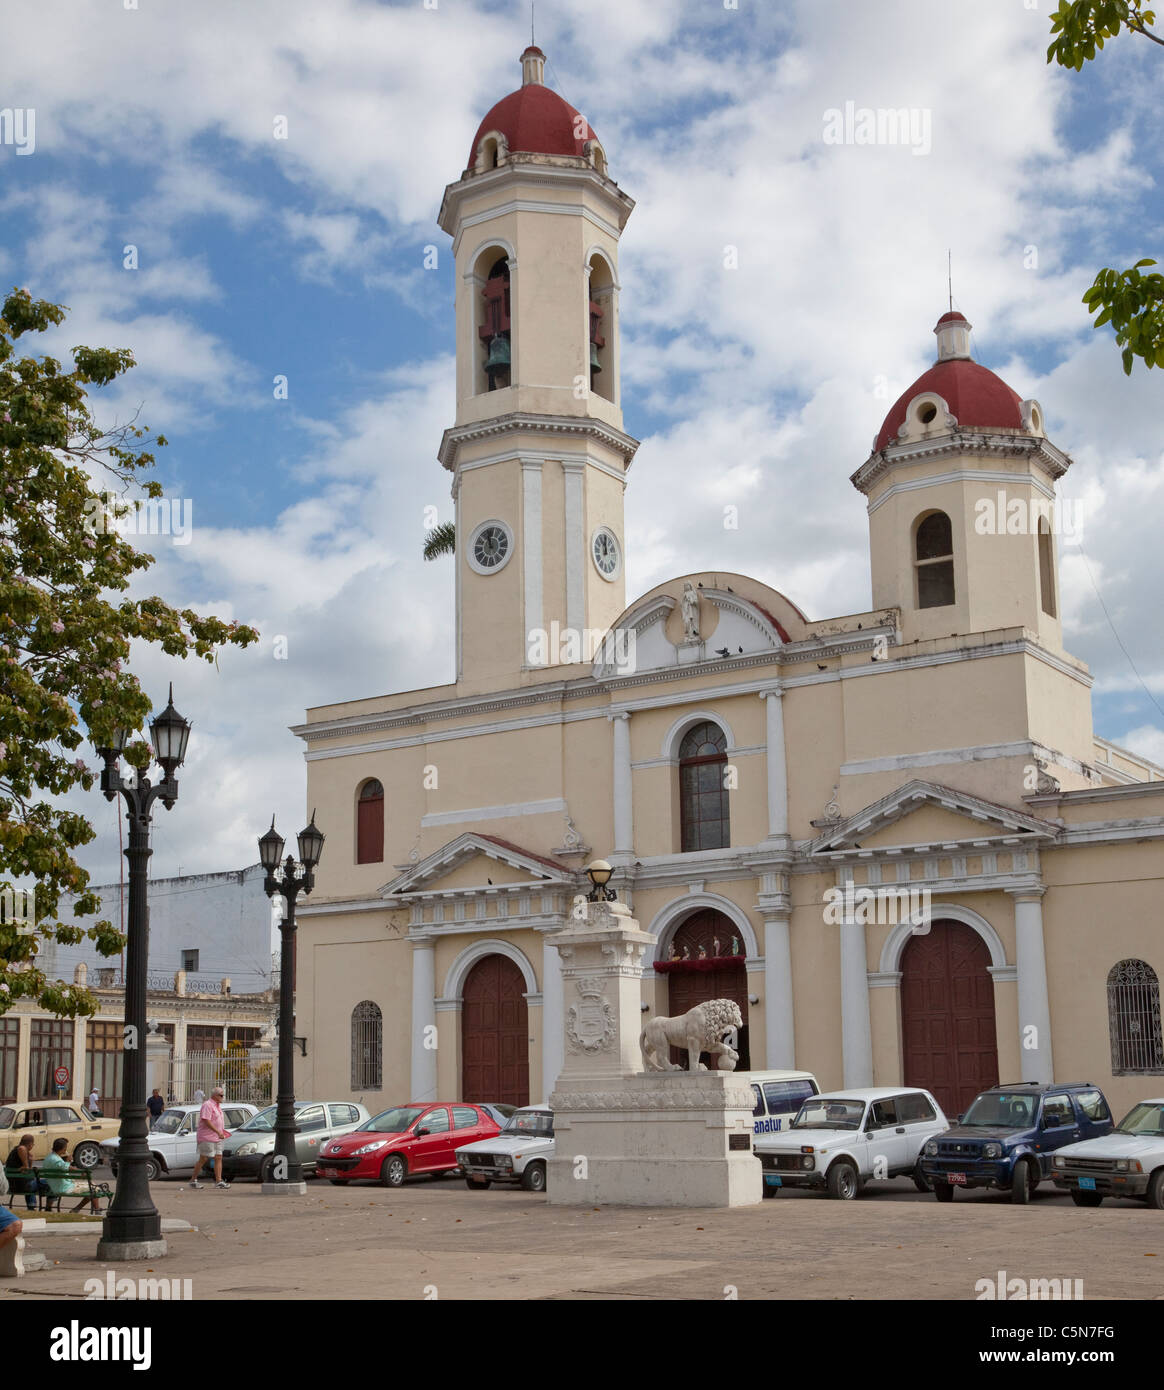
{"points": [[250, 1150]]}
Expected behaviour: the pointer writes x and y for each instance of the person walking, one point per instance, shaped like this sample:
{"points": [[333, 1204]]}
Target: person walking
{"points": [[56, 1170], [211, 1133], [199, 1096], [94, 1102], [155, 1105]]}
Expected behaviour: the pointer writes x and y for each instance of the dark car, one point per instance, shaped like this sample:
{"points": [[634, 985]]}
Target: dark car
{"points": [[1008, 1136]]}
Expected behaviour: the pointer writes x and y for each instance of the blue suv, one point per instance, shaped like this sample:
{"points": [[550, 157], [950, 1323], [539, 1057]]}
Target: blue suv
{"points": [[1006, 1139]]}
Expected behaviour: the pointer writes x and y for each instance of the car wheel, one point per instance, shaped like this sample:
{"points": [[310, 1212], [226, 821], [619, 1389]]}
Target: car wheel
{"points": [[153, 1168], [339, 1182], [1022, 1183], [393, 1171], [478, 1184], [267, 1169], [1086, 1199], [943, 1191], [843, 1182], [86, 1155], [920, 1181], [534, 1177], [1156, 1190]]}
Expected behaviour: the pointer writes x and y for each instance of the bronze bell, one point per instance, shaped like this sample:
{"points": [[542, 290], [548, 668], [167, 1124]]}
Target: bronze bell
{"points": [[595, 365], [498, 354]]}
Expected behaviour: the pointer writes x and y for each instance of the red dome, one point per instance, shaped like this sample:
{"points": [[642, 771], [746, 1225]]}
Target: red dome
{"points": [[953, 317], [976, 397], [534, 120]]}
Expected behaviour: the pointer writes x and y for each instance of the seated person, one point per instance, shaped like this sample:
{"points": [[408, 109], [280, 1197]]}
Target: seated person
{"points": [[22, 1176], [10, 1226], [55, 1169]]}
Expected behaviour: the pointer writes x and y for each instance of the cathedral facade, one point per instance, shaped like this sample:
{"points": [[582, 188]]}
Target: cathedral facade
{"points": [[891, 837]]}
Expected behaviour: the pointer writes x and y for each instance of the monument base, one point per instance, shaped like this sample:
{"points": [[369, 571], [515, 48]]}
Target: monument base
{"points": [[661, 1139]]}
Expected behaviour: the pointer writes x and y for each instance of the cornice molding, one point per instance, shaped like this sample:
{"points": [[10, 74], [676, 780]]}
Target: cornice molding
{"points": [[523, 422]]}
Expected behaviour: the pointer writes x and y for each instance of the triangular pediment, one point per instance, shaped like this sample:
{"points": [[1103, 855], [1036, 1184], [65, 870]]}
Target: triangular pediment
{"points": [[473, 861], [924, 816]]}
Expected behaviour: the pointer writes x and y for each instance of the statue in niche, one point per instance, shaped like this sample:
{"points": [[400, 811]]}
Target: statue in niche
{"points": [[690, 609], [674, 952], [715, 945], [686, 953], [735, 945], [703, 953]]}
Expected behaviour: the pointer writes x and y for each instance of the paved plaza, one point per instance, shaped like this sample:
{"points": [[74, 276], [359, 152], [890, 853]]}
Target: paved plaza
{"points": [[434, 1238]]}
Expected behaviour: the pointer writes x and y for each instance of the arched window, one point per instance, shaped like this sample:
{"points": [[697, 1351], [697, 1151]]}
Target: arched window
{"points": [[494, 327], [703, 797], [1046, 567], [1133, 1012], [602, 328], [934, 561], [367, 1046], [370, 824]]}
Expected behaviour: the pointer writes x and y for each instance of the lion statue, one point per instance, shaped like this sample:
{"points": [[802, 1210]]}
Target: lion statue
{"points": [[700, 1029]]}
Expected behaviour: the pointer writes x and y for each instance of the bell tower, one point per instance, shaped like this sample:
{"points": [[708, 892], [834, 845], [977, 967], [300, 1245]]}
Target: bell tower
{"points": [[538, 453]]}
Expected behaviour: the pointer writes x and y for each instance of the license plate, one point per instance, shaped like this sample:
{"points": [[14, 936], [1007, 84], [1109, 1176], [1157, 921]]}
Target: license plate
{"points": [[773, 1181], [329, 1172], [1088, 1184], [958, 1179]]}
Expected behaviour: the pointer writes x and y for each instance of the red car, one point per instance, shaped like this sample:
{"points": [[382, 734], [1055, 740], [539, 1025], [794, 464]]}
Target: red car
{"points": [[405, 1140]]}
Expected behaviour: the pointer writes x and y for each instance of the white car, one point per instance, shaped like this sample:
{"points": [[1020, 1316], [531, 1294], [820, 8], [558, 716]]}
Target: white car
{"points": [[841, 1139], [517, 1155], [173, 1140], [1128, 1162]]}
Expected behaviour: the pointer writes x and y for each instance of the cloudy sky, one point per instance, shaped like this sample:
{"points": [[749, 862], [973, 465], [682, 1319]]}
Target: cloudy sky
{"points": [[761, 385]]}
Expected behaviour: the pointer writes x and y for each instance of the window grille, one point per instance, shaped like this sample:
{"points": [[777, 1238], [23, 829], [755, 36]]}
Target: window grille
{"points": [[367, 1046], [1133, 1008]]}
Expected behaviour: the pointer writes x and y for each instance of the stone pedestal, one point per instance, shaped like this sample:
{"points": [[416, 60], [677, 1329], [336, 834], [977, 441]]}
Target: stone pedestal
{"points": [[283, 1189], [622, 1136]]}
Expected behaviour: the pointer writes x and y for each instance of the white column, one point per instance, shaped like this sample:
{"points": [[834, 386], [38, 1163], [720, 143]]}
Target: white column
{"points": [[553, 1047], [531, 530], [856, 1034], [423, 1083], [623, 800], [777, 765], [778, 1021], [1034, 1003], [575, 548]]}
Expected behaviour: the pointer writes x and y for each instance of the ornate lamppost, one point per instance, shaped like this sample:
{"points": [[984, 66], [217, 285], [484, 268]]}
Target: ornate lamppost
{"points": [[132, 1229], [288, 881]]}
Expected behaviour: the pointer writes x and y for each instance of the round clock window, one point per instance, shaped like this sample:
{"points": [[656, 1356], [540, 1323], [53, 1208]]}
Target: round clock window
{"points": [[606, 553], [490, 547]]}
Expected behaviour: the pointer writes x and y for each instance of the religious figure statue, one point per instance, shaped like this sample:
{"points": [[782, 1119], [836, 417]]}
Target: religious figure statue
{"points": [[674, 951], [715, 945], [690, 608], [703, 953], [735, 945], [686, 953]]}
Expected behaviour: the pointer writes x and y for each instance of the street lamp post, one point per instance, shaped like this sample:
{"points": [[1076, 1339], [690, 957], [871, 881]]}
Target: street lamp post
{"points": [[599, 873], [286, 1173], [132, 1229]]}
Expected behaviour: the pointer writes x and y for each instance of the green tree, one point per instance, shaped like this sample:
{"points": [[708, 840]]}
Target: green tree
{"points": [[441, 540], [1131, 302], [66, 626]]}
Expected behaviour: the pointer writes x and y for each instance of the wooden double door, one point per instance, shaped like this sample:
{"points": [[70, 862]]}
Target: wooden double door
{"points": [[949, 1039], [719, 976], [494, 1034]]}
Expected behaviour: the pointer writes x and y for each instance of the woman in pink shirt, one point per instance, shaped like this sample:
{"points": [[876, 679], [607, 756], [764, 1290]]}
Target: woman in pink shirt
{"points": [[211, 1133]]}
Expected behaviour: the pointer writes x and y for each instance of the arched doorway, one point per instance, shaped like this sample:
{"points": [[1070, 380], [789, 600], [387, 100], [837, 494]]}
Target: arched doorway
{"points": [[494, 1034], [720, 974], [947, 1015]]}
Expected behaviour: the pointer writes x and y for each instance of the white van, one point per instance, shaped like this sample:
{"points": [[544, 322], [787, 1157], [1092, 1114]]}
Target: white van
{"points": [[779, 1095]]}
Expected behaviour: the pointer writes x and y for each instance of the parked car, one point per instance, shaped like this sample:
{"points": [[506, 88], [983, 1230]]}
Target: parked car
{"points": [[517, 1155], [842, 1139], [495, 1111], [1008, 1136], [173, 1141], [250, 1150], [779, 1096], [1128, 1162], [47, 1120], [405, 1140]]}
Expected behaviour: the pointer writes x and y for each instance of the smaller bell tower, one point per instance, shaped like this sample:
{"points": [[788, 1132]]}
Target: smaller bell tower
{"points": [[538, 453]]}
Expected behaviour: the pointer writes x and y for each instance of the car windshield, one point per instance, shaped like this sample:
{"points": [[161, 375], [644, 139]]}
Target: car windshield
{"points": [[1001, 1110], [531, 1122], [1145, 1118], [828, 1112], [264, 1120], [393, 1121], [169, 1121]]}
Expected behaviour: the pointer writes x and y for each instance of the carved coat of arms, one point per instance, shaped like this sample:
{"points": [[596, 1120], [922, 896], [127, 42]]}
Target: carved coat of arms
{"points": [[590, 1022]]}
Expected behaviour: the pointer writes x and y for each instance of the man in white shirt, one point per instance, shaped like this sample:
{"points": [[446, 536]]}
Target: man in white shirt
{"points": [[94, 1102]]}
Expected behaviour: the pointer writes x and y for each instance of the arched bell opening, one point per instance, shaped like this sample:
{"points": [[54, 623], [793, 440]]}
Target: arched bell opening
{"points": [[494, 325]]}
